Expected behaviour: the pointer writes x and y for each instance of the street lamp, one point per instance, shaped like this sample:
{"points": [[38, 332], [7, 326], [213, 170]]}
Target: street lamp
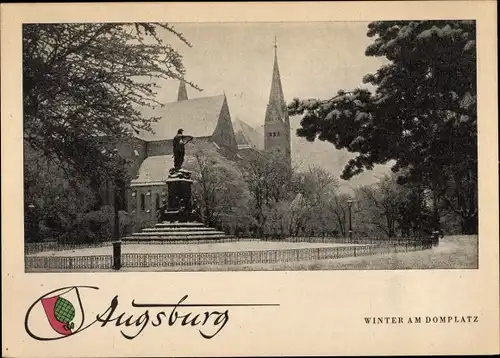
{"points": [[114, 154], [349, 204], [32, 223], [117, 217]]}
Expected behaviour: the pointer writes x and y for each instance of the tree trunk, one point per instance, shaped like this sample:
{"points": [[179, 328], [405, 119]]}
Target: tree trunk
{"points": [[469, 225], [435, 211]]}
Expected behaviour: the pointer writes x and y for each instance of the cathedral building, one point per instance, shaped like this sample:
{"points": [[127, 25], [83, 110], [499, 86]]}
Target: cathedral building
{"points": [[208, 120]]}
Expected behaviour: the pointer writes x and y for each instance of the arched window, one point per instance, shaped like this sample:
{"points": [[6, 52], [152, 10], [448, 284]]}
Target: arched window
{"points": [[157, 201], [143, 202], [278, 134], [270, 134]]}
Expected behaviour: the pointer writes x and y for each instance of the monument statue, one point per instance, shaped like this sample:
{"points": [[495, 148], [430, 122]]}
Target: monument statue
{"points": [[180, 141], [179, 199]]}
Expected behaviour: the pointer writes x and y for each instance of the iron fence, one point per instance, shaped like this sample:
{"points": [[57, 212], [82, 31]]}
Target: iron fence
{"points": [[346, 240], [264, 256], [95, 262], [136, 260]]}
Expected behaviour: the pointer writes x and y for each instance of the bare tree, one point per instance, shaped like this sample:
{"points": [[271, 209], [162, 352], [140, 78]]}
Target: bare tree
{"points": [[380, 205], [269, 181], [220, 190]]}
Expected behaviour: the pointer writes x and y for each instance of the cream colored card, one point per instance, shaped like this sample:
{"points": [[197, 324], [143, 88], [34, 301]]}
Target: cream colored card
{"points": [[284, 312]]}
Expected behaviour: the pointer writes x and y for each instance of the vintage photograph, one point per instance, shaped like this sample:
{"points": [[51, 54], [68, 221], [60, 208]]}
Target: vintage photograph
{"points": [[245, 146]]}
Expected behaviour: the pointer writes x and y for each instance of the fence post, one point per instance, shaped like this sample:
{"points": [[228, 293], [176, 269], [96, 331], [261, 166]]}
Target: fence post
{"points": [[117, 255]]}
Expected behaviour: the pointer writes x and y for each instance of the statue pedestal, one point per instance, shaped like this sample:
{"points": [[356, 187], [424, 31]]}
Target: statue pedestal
{"points": [[179, 202], [179, 193]]}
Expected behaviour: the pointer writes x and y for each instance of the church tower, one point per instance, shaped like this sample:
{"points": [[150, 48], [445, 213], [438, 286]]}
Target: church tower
{"points": [[277, 122]]}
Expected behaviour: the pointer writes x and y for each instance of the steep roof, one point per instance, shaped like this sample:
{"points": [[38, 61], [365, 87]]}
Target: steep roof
{"points": [[246, 135], [182, 94], [198, 117], [154, 170]]}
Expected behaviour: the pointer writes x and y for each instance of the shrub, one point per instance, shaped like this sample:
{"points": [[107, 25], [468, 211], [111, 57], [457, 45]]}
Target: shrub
{"points": [[97, 226]]}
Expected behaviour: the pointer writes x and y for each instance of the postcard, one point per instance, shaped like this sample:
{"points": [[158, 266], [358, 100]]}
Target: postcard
{"points": [[226, 179]]}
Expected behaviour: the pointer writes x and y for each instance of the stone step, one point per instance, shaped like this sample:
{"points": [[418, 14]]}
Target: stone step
{"points": [[177, 229], [179, 224], [172, 239], [179, 233]]}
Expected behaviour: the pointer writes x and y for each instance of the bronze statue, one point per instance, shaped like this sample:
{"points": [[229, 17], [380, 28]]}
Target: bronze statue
{"points": [[180, 141]]}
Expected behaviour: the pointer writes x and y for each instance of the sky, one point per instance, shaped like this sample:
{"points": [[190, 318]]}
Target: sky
{"points": [[316, 59]]}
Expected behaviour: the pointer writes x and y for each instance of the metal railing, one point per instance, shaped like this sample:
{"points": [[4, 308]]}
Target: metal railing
{"points": [[93, 262], [117, 259]]}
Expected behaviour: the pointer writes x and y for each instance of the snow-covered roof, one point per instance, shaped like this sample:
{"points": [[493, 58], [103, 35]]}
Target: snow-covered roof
{"points": [[247, 136], [198, 117]]}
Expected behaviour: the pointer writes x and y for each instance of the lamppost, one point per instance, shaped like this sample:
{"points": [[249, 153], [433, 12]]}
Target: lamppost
{"points": [[117, 214], [349, 204], [32, 224], [115, 204], [116, 244], [115, 178]]}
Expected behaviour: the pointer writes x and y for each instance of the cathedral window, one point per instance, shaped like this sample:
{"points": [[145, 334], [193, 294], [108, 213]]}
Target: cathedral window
{"points": [[143, 202]]}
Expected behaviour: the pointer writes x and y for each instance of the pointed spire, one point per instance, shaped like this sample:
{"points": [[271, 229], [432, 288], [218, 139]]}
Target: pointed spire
{"points": [[182, 95], [276, 106]]}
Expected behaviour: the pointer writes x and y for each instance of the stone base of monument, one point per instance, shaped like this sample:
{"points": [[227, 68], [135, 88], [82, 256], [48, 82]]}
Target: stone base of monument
{"points": [[178, 219], [178, 233]]}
